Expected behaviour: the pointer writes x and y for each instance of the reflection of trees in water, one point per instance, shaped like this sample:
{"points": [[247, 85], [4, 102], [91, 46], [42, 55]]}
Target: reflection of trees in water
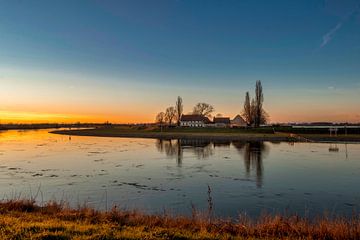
{"points": [[160, 145], [253, 153], [171, 148]]}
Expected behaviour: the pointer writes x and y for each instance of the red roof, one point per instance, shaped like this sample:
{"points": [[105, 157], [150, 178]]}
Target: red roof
{"points": [[194, 117]]}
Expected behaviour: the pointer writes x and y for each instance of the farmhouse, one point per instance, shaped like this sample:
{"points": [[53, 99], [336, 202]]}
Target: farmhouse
{"points": [[238, 121], [221, 121], [193, 120]]}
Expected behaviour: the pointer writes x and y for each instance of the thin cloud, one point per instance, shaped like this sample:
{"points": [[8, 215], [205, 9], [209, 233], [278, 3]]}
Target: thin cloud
{"points": [[327, 37]]}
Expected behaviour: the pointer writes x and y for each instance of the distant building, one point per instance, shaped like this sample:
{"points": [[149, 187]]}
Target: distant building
{"points": [[221, 121], [193, 120], [238, 121]]}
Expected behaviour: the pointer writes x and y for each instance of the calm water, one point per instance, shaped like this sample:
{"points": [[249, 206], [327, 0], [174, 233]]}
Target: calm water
{"points": [[153, 175]]}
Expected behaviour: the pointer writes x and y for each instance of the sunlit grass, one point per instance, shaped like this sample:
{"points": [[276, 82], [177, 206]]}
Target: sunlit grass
{"points": [[21, 219]]}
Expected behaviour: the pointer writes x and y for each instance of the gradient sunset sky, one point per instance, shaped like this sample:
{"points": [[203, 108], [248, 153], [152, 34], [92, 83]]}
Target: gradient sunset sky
{"points": [[125, 61]]}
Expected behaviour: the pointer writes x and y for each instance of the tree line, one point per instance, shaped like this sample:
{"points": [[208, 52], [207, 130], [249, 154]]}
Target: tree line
{"points": [[253, 112]]}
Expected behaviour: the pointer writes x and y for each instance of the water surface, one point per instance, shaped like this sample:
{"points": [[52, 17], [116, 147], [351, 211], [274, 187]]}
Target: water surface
{"points": [[157, 175]]}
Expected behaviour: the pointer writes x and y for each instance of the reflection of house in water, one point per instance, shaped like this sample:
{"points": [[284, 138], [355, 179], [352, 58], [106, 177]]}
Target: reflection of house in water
{"points": [[200, 147], [333, 148], [253, 153], [176, 147], [222, 143], [194, 143]]}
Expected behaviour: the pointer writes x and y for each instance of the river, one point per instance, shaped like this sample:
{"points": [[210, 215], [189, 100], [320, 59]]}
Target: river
{"points": [[161, 175]]}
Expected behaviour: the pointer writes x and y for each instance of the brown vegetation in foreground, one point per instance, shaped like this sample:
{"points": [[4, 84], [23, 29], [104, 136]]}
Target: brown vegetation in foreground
{"points": [[22, 219]]}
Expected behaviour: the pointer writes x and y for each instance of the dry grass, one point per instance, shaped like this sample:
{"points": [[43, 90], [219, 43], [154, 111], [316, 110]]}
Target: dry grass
{"points": [[22, 219]]}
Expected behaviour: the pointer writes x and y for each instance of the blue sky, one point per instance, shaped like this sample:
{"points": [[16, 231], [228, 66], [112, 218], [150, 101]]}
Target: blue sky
{"points": [[305, 53]]}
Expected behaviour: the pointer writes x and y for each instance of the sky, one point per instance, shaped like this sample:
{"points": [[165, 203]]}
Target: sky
{"points": [[124, 61]]}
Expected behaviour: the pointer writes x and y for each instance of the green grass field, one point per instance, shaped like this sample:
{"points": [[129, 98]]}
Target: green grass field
{"points": [[242, 134], [173, 133]]}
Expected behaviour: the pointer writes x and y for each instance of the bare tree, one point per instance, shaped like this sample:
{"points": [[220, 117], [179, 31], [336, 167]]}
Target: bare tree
{"points": [[264, 117], [179, 109], [160, 119], [203, 109], [253, 111], [260, 116], [247, 111], [170, 114]]}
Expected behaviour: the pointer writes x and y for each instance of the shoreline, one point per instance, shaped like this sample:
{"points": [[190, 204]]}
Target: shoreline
{"points": [[225, 136]]}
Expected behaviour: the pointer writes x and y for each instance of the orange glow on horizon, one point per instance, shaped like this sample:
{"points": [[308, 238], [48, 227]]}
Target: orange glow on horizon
{"points": [[19, 117]]}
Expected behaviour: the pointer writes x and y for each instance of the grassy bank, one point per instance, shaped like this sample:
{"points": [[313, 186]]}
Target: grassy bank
{"points": [[260, 134], [185, 133], [23, 219]]}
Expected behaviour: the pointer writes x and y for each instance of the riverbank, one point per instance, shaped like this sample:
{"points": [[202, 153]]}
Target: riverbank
{"points": [[23, 219], [210, 133]]}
